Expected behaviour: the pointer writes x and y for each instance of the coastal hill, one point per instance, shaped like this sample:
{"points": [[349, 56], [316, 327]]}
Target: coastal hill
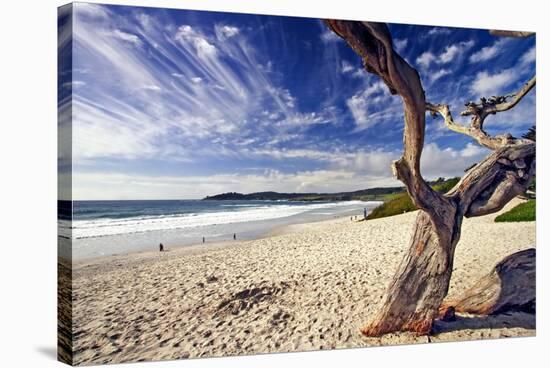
{"points": [[371, 194], [366, 194]]}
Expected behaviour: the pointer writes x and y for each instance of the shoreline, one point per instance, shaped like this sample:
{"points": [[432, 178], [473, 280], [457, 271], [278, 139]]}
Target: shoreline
{"points": [[311, 287], [277, 230]]}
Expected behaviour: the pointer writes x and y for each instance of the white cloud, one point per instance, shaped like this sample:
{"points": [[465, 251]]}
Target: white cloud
{"points": [[329, 36], [105, 185], [489, 52], [450, 53], [304, 119], [515, 120], [439, 31], [438, 74], [152, 87], [425, 59], [171, 115], [400, 44], [96, 133], [373, 105], [225, 31], [486, 84], [358, 106], [347, 171], [359, 73], [73, 84], [375, 163], [529, 56], [473, 150], [347, 67], [204, 49], [448, 162], [91, 10], [453, 51], [128, 37], [283, 97]]}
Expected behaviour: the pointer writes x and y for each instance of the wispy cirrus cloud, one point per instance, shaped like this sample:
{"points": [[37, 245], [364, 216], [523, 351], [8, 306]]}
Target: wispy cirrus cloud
{"points": [[329, 36], [164, 101], [160, 74], [438, 31]]}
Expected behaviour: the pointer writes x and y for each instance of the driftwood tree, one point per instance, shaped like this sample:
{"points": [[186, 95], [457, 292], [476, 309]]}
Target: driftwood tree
{"points": [[422, 280]]}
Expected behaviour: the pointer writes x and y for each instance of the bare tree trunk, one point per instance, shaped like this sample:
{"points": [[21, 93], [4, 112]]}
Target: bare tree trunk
{"points": [[422, 280]]}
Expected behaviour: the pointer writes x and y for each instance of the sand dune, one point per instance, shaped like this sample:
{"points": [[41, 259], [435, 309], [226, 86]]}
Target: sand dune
{"points": [[308, 287]]}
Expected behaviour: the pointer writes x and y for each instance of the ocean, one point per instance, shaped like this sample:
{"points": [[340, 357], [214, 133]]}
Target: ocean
{"points": [[100, 228]]}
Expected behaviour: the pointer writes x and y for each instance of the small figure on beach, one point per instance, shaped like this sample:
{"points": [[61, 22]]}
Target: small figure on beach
{"points": [[161, 247], [365, 213], [234, 236], [203, 239]]}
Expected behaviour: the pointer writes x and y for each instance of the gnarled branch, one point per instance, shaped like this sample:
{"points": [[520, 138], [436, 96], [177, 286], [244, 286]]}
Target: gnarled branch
{"points": [[372, 41], [497, 179], [422, 279], [517, 34], [494, 104], [479, 112]]}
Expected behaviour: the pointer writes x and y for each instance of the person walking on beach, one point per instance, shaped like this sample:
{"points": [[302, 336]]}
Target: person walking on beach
{"points": [[234, 236], [203, 239], [161, 247], [365, 213]]}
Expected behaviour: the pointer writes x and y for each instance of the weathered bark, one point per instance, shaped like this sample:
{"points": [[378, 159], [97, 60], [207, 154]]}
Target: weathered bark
{"points": [[422, 280], [517, 34], [509, 286], [501, 176], [480, 111]]}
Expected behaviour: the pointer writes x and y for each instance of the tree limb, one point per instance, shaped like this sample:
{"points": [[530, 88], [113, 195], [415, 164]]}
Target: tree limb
{"points": [[480, 111], [422, 279], [518, 34], [373, 43], [497, 179], [496, 104]]}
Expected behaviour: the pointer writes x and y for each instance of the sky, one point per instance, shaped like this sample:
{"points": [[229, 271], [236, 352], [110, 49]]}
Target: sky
{"points": [[175, 104]]}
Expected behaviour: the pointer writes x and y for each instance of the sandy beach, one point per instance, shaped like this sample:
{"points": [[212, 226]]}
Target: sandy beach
{"points": [[304, 287]]}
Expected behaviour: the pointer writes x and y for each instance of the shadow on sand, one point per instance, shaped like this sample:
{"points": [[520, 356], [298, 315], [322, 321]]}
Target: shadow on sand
{"points": [[502, 320]]}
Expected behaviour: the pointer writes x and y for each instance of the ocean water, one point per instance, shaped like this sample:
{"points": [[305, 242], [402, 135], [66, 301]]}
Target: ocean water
{"points": [[100, 228]]}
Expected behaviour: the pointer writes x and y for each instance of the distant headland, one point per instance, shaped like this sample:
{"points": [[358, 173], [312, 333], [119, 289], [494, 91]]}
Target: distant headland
{"points": [[371, 194]]}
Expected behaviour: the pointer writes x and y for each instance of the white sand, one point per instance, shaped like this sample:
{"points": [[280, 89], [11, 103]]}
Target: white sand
{"points": [[309, 287]]}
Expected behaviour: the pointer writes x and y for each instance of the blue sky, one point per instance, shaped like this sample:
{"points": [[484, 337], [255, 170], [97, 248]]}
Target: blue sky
{"points": [[183, 104]]}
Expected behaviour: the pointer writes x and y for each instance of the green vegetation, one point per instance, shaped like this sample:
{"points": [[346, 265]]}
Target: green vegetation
{"points": [[400, 203], [531, 134], [396, 199], [526, 211], [371, 194]]}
